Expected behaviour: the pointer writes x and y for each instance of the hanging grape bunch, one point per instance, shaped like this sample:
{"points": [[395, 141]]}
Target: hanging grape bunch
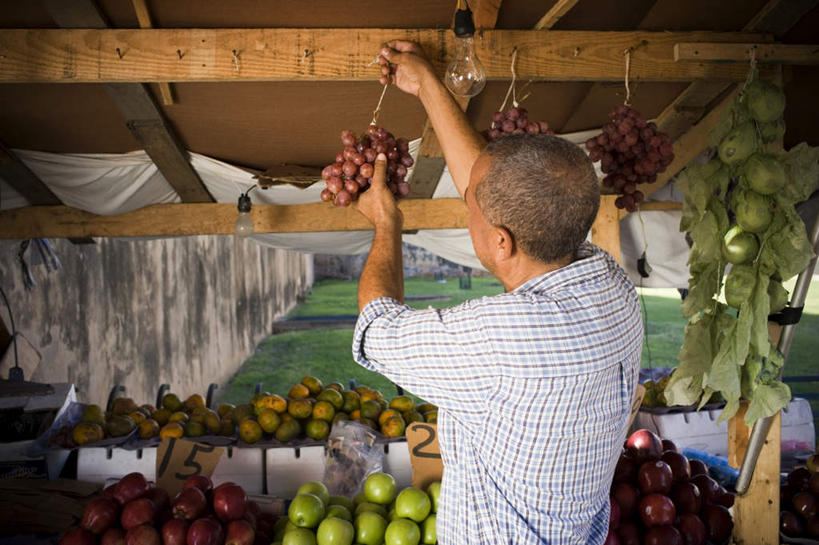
{"points": [[514, 121], [353, 169], [631, 152]]}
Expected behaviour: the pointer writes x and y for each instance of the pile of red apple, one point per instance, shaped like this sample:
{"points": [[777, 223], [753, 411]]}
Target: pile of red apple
{"points": [[136, 512], [798, 500], [659, 497]]}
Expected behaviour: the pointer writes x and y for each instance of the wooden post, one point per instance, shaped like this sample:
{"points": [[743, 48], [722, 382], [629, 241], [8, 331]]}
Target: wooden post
{"points": [[605, 231]]}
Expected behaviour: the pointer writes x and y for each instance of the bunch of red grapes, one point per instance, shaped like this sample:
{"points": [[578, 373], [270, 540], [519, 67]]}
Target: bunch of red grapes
{"points": [[660, 497], [353, 169], [514, 121], [631, 151]]}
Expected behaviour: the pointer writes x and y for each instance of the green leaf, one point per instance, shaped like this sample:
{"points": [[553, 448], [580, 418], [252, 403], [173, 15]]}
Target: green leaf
{"points": [[730, 409], [787, 248], [759, 306], [802, 167], [701, 289], [768, 400], [697, 182], [707, 237], [750, 372]]}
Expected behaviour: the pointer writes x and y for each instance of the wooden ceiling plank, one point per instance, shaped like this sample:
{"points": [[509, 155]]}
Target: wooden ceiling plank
{"points": [[551, 17], [218, 219], [144, 18], [153, 55], [430, 163], [23, 180], [803, 55], [135, 102], [778, 16]]}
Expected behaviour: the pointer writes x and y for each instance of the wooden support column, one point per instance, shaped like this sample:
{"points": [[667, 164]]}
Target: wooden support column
{"points": [[142, 116], [605, 231]]}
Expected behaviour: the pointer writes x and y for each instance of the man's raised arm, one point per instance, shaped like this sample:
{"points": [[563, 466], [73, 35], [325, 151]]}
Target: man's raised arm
{"points": [[412, 73]]}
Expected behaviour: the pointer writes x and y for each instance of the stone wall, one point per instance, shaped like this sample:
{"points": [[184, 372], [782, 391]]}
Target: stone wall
{"points": [[184, 311]]}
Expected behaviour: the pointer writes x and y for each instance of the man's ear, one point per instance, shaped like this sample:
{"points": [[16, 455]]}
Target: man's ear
{"points": [[504, 243]]}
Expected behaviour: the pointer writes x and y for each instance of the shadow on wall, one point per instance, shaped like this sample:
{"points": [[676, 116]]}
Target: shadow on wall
{"points": [[184, 311]]}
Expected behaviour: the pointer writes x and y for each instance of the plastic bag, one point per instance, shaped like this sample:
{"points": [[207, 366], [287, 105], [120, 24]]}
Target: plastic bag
{"points": [[352, 454]]}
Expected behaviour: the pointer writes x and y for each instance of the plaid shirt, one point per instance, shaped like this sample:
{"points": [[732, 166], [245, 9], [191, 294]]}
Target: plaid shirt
{"points": [[534, 389]]}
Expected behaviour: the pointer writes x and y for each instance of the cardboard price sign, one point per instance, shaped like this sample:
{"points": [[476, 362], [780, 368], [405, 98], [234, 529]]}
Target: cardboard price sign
{"points": [[425, 454], [178, 459]]}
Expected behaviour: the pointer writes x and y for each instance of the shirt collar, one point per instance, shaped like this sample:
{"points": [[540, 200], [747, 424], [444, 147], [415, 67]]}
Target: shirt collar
{"points": [[590, 262]]}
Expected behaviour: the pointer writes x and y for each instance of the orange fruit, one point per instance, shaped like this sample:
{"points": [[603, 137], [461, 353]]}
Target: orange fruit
{"points": [[227, 427], [289, 429], [402, 404], [179, 416], [194, 401], [412, 416], [269, 420], [313, 384], [225, 409], [194, 429], [389, 413], [317, 429], [361, 389], [212, 422], [393, 427], [87, 432], [274, 402], [137, 416], [355, 415], [172, 429], [352, 401], [333, 397], [300, 408], [367, 422], [162, 416], [324, 410], [370, 409], [431, 416], [299, 391], [370, 395], [250, 431], [340, 416], [425, 408], [240, 412], [148, 428], [335, 386], [286, 417]]}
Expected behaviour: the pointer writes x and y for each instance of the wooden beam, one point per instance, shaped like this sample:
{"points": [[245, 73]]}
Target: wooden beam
{"points": [[23, 180], [767, 53], [605, 231], [430, 163], [218, 219], [144, 18], [663, 206], [778, 16], [557, 11], [278, 54], [690, 145], [135, 102]]}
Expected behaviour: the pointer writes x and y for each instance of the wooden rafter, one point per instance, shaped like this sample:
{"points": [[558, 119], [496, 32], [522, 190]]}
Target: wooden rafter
{"points": [[429, 165], [23, 180], [278, 54], [144, 18], [135, 102], [557, 11]]}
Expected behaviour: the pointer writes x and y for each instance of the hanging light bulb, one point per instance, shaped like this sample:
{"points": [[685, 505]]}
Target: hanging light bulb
{"points": [[465, 76], [244, 223]]}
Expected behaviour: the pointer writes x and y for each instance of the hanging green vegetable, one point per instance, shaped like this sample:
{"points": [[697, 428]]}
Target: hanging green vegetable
{"points": [[739, 210]]}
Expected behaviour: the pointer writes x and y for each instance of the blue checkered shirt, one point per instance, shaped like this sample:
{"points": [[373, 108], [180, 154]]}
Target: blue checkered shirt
{"points": [[534, 389]]}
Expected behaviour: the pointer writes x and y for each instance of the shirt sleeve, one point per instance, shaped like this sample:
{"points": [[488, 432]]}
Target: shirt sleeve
{"points": [[439, 355]]}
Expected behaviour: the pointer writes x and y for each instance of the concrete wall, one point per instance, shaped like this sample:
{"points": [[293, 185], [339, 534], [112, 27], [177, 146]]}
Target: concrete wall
{"points": [[183, 311]]}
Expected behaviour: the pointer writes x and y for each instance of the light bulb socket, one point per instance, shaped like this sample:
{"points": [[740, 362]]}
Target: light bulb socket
{"points": [[244, 203], [464, 24]]}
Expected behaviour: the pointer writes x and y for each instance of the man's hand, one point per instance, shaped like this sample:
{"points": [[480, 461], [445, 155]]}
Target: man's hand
{"points": [[410, 68], [377, 204]]}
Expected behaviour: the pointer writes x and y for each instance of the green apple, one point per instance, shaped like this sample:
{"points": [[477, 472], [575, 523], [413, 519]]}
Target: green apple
{"points": [[391, 515], [316, 488], [369, 528], [338, 511], [280, 528], [413, 504], [429, 534], [306, 511], [299, 536], [335, 531], [379, 488], [434, 491], [402, 532], [342, 500], [359, 498], [371, 507]]}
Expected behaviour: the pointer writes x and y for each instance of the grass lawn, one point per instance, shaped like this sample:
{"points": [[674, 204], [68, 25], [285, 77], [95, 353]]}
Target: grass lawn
{"points": [[281, 360]]}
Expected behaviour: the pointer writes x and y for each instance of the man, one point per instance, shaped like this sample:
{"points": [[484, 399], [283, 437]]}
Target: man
{"points": [[534, 386]]}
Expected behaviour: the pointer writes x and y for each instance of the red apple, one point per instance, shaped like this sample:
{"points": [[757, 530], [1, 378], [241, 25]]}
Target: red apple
{"points": [[250, 518], [709, 488], [189, 504], [261, 539], [680, 468], [614, 514], [686, 498], [204, 531], [668, 444], [718, 522], [131, 487], [99, 515], [202, 482], [144, 534], [108, 491], [628, 497], [654, 476], [799, 479], [813, 483], [790, 525], [113, 536], [175, 532], [138, 512], [625, 471], [253, 507], [662, 535], [657, 510], [159, 497], [813, 526], [644, 445], [612, 538], [804, 504], [78, 536], [698, 467], [239, 532], [691, 529], [629, 533], [229, 502]]}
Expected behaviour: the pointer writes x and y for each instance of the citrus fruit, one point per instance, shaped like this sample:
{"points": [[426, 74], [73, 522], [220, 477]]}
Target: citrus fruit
{"points": [[300, 408], [317, 429], [313, 384], [333, 396], [172, 429], [162, 416], [194, 429], [370, 409], [171, 402], [384, 416], [402, 403], [148, 428], [335, 386], [225, 409], [269, 420], [299, 391], [87, 432], [250, 431], [194, 401], [393, 427], [93, 413], [340, 416], [412, 416], [289, 429], [227, 427], [324, 410], [379, 488]]}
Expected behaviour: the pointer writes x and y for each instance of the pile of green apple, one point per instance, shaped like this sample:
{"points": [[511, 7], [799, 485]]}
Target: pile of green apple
{"points": [[378, 515]]}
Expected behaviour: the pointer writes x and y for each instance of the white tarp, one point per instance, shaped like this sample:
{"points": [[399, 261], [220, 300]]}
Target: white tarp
{"points": [[118, 183]]}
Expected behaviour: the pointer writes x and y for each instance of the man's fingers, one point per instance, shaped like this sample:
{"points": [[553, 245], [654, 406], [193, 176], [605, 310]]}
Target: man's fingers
{"points": [[403, 46], [380, 173]]}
